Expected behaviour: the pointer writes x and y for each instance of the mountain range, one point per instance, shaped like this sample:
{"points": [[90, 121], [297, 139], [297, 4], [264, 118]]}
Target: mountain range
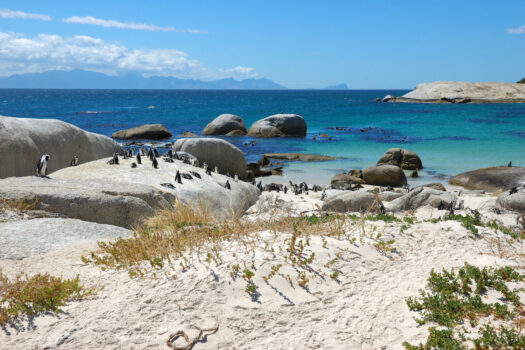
{"points": [[81, 79]]}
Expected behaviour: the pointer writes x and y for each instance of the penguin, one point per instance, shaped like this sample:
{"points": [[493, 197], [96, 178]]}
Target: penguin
{"points": [[150, 154], [204, 165], [142, 152], [323, 195], [167, 159], [382, 209], [216, 169], [178, 178], [253, 182], [259, 187], [208, 170], [133, 165], [170, 154], [513, 190], [130, 153], [228, 174], [41, 166], [441, 206], [74, 161], [236, 177], [139, 158], [155, 163], [113, 160], [155, 152], [168, 185], [227, 185], [285, 189], [196, 174], [186, 176], [510, 164]]}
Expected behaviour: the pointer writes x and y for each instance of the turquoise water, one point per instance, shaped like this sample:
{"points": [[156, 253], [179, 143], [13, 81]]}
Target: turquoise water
{"points": [[449, 138]]}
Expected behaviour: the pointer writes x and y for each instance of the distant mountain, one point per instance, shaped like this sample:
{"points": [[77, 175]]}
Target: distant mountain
{"points": [[341, 86], [81, 79]]}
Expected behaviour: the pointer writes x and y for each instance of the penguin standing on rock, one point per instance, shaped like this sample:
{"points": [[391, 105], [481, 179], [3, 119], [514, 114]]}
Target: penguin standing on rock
{"points": [[150, 154], [113, 160], [74, 161], [155, 163], [208, 170], [227, 185], [139, 158], [178, 178], [41, 166]]}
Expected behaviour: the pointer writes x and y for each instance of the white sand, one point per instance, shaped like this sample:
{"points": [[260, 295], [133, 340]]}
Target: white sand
{"points": [[363, 309]]}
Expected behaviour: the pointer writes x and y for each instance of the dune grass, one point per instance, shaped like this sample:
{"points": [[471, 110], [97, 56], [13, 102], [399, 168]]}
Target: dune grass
{"points": [[19, 205], [29, 296]]}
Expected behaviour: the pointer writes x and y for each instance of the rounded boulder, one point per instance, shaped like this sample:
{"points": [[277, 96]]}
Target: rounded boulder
{"points": [[215, 152], [148, 132], [384, 175], [279, 125], [402, 158], [225, 124], [491, 179]]}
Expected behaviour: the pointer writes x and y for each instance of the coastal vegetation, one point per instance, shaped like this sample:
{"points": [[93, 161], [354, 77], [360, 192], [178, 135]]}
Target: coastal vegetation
{"points": [[522, 81]]}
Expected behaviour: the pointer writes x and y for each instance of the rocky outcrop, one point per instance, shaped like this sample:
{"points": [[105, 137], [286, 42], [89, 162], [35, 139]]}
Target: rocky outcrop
{"points": [[463, 92], [24, 238], [105, 201], [491, 179], [422, 196], [384, 175], [343, 179], [303, 157], [188, 134], [226, 124], [23, 141], [215, 152], [349, 201], [148, 132], [402, 158], [278, 125], [513, 201]]}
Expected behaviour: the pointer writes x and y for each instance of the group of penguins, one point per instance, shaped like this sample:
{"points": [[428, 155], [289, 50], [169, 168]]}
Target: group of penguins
{"points": [[296, 188], [152, 154]]}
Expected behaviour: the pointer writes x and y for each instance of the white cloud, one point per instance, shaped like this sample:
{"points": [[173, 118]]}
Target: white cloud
{"points": [[128, 25], [6, 13], [519, 30], [20, 54]]}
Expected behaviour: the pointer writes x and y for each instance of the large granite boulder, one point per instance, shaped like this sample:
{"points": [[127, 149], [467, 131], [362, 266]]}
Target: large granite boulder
{"points": [[384, 175], [105, 201], [23, 141], [402, 158], [200, 191], [23, 238], [215, 152], [422, 196], [343, 179], [350, 201], [514, 201], [491, 179], [148, 132], [464, 92], [226, 124], [279, 125]]}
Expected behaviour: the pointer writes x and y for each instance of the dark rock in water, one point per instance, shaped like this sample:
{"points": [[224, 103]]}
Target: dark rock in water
{"points": [[436, 186], [296, 156], [414, 174], [491, 179], [388, 98], [148, 131], [188, 134], [384, 175], [513, 200], [277, 171], [263, 161], [339, 180], [226, 124], [402, 158], [279, 125], [377, 99]]}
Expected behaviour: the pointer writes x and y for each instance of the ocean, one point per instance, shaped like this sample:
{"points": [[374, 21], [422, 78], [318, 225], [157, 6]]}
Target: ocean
{"points": [[449, 138]]}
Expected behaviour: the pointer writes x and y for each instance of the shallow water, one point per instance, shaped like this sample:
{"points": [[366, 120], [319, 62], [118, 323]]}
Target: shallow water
{"points": [[448, 138]]}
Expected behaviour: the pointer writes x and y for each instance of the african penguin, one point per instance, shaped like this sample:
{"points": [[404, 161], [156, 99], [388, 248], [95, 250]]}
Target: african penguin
{"points": [[41, 166], [139, 158], [74, 161], [133, 165], [227, 185], [510, 164], [155, 163], [155, 152], [178, 178]]}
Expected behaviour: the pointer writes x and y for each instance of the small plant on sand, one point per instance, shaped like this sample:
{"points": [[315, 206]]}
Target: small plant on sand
{"points": [[452, 298], [19, 205], [26, 295], [382, 217], [334, 275]]}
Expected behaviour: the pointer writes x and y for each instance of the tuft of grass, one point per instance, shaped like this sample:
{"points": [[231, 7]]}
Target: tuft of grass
{"points": [[29, 296], [451, 298], [382, 217], [19, 205], [473, 222]]}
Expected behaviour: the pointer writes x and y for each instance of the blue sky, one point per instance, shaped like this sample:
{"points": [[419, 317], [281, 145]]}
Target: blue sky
{"points": [[300, 44]]}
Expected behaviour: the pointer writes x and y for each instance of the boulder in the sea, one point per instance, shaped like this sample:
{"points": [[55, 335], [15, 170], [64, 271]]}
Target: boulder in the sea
{"points": [[279, 125], [23, 141], [102, 200], [384, 175], [343, 179], [215, 152], [422, 196], [224, 125], [188, 134], [350, 201], [388, 98], [356, 173], [148, 131], [402, 158], [514, 201], [491, 179]]}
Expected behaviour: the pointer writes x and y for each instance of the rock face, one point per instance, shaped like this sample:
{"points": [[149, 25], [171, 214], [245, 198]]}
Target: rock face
{"points": [[464, 92], [384, 175], [226, 124], [215, 152], [339, 180], [23, 238], [105, 201], [422, 196], [23, 142], [402, 158], [514, 201], [491, 179], [148, 131], [348, 201], [279, 125], [303, 157]]}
